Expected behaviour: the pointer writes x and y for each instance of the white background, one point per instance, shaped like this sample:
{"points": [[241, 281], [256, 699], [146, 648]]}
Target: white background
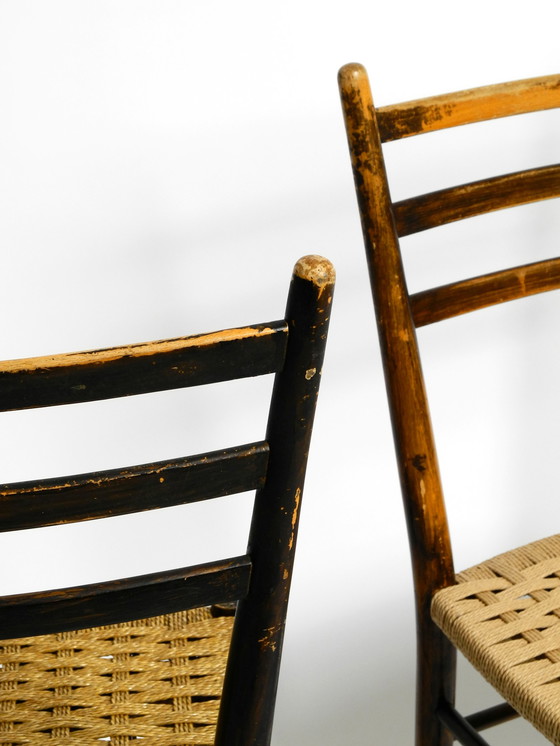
{"points": [[163, 165]]}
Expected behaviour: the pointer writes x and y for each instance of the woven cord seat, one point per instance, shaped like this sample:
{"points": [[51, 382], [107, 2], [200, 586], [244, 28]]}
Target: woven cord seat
{"points": [[181, 676], [504, 616], [157, 679]]}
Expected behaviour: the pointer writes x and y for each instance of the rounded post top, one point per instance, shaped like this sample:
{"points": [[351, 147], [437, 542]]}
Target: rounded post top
{"points": [[351, 74], [315, 269]]}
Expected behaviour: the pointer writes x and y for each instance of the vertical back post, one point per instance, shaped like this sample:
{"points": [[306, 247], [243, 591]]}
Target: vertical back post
{"points": [[252, 673], [430, 544]]}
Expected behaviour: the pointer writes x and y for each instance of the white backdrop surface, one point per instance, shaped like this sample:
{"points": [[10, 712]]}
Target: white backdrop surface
{"points": [[164, 164]]}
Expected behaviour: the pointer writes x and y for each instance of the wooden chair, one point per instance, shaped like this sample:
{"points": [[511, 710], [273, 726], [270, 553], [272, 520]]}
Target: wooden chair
{"points": [[126, 660], [504, 614]]}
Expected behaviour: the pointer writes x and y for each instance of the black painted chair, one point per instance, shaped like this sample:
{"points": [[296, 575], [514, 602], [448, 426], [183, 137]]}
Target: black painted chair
{"points": [[144, 658], [504, 614]]}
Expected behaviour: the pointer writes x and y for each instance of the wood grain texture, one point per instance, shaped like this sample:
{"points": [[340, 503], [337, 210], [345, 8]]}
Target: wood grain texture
{"points": [[426, 518], [469, 106], [143, 368], [398, 314], [102, 494], [457, 298], [477, 198]]}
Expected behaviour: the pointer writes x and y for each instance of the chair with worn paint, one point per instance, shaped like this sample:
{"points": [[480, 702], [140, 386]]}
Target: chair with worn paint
{"points": [[503, 614], [145, 658]]}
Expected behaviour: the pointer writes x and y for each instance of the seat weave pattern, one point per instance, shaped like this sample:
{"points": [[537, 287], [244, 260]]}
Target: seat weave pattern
{"points": [[158, 680], [504, 616]]}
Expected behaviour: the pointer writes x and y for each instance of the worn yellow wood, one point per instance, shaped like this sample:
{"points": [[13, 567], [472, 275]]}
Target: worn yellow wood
{"points": [[465, 107], [398, 314], [137, 350], [318, 270], [418, 464], [171, 707], [416, 454]]}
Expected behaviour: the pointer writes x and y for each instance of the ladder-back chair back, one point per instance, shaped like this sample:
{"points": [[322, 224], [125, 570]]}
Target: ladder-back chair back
{"points": [[144, 658], [494, 612]]}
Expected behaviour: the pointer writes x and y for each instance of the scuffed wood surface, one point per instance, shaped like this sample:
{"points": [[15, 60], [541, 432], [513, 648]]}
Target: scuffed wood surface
{"points": [[477, 198], [124, 600], [457, 298], [465, 107], [143, 368], [138, 488]]}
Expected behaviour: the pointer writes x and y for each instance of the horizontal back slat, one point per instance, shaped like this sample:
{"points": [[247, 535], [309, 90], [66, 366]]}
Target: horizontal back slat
{"points": [[117, 492], [465, 107], [124, 600], [457, 298], [448, 205], [142, 368]]}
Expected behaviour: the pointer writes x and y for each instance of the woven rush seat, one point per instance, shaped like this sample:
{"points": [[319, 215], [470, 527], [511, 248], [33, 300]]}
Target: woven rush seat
{"points": [[157, 679], [73, 669], [504, 616]]}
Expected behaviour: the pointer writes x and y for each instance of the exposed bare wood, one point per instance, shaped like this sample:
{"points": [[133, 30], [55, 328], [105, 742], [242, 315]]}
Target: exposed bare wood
{"points": [[150, 349], [426, 518], [383, 222], [140, 369], [257, 584], [274, 527], [465, 107]]}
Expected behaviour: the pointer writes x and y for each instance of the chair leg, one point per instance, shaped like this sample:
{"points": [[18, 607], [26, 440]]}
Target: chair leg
{"points": [[436, 673]]}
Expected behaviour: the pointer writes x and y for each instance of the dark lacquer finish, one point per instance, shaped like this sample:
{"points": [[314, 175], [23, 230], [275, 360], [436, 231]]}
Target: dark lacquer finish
{"points": [[253, 665], [119, 491], [259, 581], [124, 600], [398, 316], [142, 368]]}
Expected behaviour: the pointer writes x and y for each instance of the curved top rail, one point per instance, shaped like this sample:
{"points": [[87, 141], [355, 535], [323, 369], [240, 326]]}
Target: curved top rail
{"points": [[142, 349], [466, 107], [143, 368]]}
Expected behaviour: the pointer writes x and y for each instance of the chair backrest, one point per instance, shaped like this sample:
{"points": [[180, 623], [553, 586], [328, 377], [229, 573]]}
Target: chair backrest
{"points": [[259, 581], [399, 313]]}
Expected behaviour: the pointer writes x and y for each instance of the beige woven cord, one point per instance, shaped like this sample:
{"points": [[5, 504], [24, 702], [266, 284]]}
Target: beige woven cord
{"points": [[504, 616], [157, 680]]}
